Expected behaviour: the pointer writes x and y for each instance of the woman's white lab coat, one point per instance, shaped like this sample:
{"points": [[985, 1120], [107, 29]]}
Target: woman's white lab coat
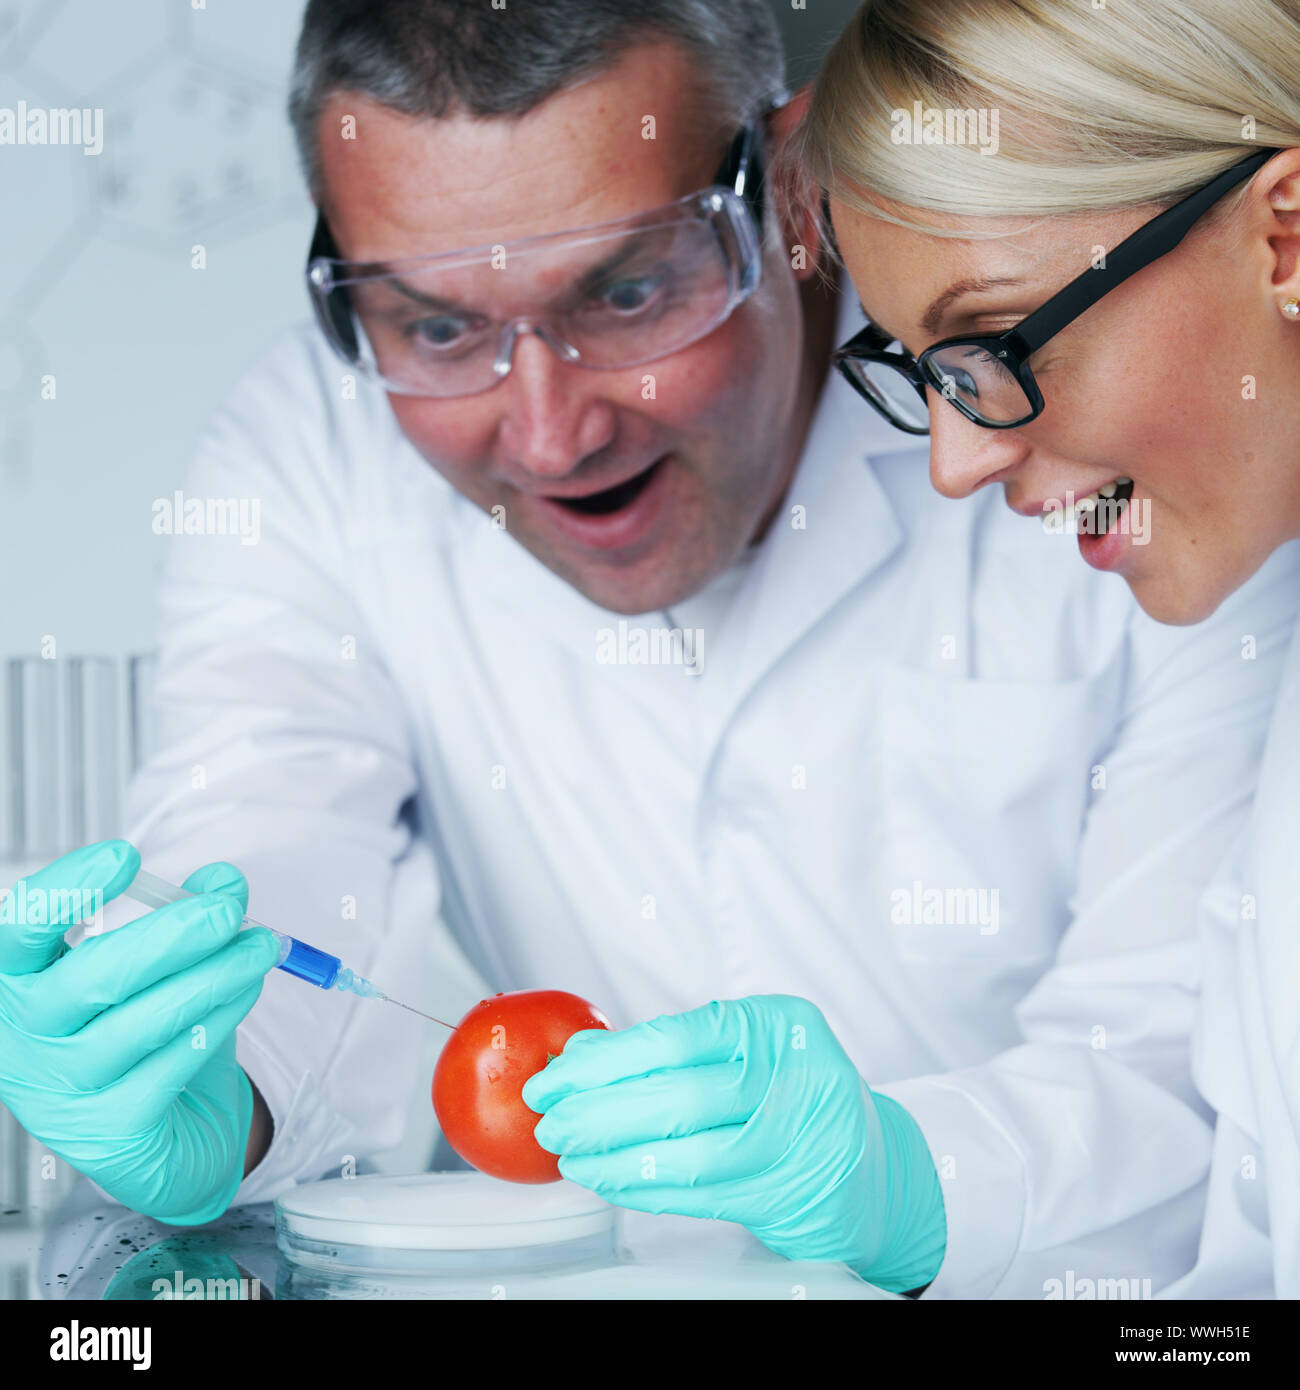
{"points": [[1246, 1046]]}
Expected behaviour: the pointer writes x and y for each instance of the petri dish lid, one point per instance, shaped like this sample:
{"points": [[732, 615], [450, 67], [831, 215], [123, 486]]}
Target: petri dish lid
{"points": [[442, 1211]]}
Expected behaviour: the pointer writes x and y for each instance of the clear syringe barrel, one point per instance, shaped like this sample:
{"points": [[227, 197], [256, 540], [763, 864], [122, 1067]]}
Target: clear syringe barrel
{"points": [[296, 957]]}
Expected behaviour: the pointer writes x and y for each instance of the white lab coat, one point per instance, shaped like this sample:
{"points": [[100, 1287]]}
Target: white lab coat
{"points": [[395, 720], [1246, 1044]]}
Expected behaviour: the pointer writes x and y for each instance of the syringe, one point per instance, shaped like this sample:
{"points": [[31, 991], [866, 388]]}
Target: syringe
{"points": [[296, 957]]}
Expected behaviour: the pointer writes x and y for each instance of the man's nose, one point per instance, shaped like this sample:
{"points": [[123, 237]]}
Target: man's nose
{"points": [[552, 420], [963, 455]]}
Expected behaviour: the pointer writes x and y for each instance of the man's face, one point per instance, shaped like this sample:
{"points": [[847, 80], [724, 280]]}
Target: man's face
{"points": [[712, 428]]}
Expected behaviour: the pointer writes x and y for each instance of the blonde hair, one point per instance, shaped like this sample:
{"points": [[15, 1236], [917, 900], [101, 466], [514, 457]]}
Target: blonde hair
{"points": [[1133, 102]]}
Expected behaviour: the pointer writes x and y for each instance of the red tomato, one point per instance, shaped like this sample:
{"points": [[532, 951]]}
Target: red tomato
{"points": [[496, 1047]]}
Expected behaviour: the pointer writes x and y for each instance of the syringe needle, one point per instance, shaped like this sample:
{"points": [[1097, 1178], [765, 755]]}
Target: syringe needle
{"points": [[430, 1017], [303, 961]]}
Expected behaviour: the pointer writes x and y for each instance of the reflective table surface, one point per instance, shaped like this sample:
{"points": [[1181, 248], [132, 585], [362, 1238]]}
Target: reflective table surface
{"points": [[91, 1248]]}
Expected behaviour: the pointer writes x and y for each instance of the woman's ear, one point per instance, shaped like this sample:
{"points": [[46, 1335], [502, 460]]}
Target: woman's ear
{"points": [[1282, 188], [795, 197]]}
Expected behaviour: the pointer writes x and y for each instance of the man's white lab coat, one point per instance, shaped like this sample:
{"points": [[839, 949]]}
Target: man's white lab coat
{"points": [[409, 735], [1246, 1043]]}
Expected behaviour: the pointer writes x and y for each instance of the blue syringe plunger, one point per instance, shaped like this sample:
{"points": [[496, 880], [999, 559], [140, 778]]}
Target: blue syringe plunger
{"points": [[307, 963], [296, 957]]}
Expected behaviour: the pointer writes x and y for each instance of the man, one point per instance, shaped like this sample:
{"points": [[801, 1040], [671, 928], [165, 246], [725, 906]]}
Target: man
{"points": [[603, 626]]}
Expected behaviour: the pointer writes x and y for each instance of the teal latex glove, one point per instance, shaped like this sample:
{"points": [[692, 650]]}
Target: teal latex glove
{"points": [[119, 1055], [748, 1110]]}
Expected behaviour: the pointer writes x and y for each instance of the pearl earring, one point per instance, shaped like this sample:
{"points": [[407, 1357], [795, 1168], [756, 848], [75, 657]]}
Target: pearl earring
{"points": [[1292, 308]]}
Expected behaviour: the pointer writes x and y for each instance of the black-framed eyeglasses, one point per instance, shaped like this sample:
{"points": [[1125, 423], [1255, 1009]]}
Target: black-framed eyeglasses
{"points": [[441, 325], [988, 377]]}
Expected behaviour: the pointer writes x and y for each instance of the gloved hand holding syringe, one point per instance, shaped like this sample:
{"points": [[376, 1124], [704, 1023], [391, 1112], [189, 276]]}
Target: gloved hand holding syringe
{"points": [[120, 1054], [296, 957]]}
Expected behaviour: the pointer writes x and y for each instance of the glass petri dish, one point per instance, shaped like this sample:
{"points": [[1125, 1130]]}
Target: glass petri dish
{"points": [[442, 1225]]}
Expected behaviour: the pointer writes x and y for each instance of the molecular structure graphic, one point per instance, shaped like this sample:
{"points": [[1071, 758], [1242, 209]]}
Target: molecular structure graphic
{"points": [[195, 143]]}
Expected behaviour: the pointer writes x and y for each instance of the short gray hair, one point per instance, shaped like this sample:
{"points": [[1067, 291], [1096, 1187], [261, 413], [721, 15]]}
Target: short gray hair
{"points": [[438, 57]]}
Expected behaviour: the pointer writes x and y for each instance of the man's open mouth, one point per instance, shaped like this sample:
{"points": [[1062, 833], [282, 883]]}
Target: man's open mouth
{"points": [[612, 499]]}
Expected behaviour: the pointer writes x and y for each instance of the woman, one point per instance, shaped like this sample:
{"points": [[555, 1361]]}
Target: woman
{"points": [[1076, 233]]}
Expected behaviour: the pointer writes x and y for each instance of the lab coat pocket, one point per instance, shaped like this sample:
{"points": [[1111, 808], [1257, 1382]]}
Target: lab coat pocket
{"points": [[986, 787]]}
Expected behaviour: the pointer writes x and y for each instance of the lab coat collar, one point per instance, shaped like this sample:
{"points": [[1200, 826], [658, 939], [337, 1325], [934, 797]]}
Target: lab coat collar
{"points": [[835, 527]]}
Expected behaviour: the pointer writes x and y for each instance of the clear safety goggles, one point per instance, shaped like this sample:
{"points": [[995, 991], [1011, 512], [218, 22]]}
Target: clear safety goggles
{"points": [[615, 294]]}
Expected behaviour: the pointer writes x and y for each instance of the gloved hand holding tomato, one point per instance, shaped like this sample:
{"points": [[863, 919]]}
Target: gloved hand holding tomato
{"points": [[493, 1050], [748, 1110]]}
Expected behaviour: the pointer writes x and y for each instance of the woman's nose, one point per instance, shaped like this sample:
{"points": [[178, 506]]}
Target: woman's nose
{"points": [[963, 455]]}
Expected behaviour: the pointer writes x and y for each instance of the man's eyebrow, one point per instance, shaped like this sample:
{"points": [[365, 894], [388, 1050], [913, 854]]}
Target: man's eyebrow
{"points": [[619, 257], [428, 301], [589, 280]]}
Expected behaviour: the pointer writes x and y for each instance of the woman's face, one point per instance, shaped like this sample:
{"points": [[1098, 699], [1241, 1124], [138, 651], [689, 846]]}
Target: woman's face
{"points": [[1184, 379]]}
